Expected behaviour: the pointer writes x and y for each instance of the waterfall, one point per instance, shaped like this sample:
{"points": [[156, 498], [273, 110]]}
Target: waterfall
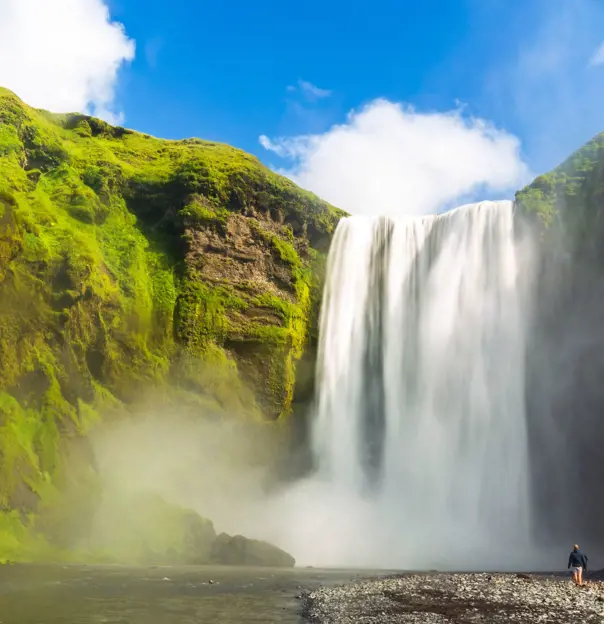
{"points": [[420, 432]]}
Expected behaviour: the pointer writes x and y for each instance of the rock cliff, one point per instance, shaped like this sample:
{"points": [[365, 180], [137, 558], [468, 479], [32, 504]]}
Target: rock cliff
{"points": [[565, 359]]}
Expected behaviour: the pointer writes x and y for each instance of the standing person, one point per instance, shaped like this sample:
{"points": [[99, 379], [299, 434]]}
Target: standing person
{"points": [[577, 562]]}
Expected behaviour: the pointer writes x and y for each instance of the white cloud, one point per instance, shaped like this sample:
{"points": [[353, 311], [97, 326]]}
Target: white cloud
{"points": [[267, 144], [391, 159], [62, 55], [309, 91], [598, 57]]}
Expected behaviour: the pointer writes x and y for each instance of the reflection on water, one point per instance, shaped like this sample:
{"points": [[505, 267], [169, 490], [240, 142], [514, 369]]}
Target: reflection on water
{"points": [[160, 595]]}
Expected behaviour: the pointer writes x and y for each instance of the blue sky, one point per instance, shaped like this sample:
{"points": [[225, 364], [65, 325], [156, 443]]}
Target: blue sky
{"points": [[221, 69], [235, 71]]}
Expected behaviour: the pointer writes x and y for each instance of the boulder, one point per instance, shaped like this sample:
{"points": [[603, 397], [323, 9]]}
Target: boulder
{"points": [[239, 550]]}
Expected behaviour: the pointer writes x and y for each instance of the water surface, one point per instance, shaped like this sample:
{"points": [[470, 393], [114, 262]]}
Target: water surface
{"points": [[156, 595]]}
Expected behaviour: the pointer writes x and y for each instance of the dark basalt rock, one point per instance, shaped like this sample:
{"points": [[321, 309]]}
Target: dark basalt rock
{"points": [[239, 550]]}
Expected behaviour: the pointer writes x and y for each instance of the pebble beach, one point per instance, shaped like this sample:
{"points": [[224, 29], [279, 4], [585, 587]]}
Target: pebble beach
{"points": [[458, 599]]}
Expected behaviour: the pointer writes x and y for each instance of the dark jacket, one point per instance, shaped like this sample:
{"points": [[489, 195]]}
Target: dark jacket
{"points": [[577, 559]]}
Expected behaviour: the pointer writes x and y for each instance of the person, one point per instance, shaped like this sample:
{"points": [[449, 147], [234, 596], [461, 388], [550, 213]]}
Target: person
{"points": [[577, 563]]}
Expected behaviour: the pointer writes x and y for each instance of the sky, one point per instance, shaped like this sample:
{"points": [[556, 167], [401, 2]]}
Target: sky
{"points": [[389, 106]]}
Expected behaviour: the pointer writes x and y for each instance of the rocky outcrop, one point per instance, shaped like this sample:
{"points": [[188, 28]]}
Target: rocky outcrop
{"points": [[145, 529], [239, 550]]}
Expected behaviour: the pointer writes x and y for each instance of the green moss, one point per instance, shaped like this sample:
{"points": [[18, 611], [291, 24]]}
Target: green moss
{"points": [[566, 201], [201, 312], [535, 202], [283, 248], [199, 211], [20, 542], [212, 375]]}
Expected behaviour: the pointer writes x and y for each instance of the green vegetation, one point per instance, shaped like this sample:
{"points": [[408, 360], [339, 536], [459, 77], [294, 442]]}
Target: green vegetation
{"points": [[566, 202], [128, 263]]}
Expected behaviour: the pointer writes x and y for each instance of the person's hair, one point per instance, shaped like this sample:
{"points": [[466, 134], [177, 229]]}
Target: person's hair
{"points": [[576, 546]]}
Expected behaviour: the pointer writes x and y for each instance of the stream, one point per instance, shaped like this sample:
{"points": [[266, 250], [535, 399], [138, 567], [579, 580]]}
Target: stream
{"points": [[75, 594]]}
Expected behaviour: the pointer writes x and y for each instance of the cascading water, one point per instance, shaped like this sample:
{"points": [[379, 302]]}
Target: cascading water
{"points": [[420, 434]]}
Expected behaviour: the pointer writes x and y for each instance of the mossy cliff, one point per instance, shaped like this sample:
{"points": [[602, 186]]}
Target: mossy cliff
{"points": [[565, 357], [131, 265], [567, 202]]}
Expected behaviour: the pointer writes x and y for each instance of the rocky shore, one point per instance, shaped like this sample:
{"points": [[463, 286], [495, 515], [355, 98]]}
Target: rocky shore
{"points": [[458, 599]]}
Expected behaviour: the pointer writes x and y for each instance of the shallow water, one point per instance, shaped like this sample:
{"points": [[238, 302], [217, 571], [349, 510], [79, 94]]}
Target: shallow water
{"points": [[157, 595]]}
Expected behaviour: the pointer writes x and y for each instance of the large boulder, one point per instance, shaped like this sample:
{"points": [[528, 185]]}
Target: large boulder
{"points": [[239, 550]]}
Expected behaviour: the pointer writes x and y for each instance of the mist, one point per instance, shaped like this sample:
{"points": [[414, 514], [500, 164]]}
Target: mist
{"points": [[221, 469]]}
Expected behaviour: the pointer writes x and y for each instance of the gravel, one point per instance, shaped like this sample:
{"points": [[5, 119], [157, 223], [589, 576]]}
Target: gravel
{"points": [[459, 599]]}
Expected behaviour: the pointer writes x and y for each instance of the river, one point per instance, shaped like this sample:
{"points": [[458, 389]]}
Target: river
{"points": [[36, 594]]}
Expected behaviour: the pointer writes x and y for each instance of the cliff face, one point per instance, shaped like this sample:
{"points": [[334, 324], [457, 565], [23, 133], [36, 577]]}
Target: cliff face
{"points": [[565, 361], [133, 268]]}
